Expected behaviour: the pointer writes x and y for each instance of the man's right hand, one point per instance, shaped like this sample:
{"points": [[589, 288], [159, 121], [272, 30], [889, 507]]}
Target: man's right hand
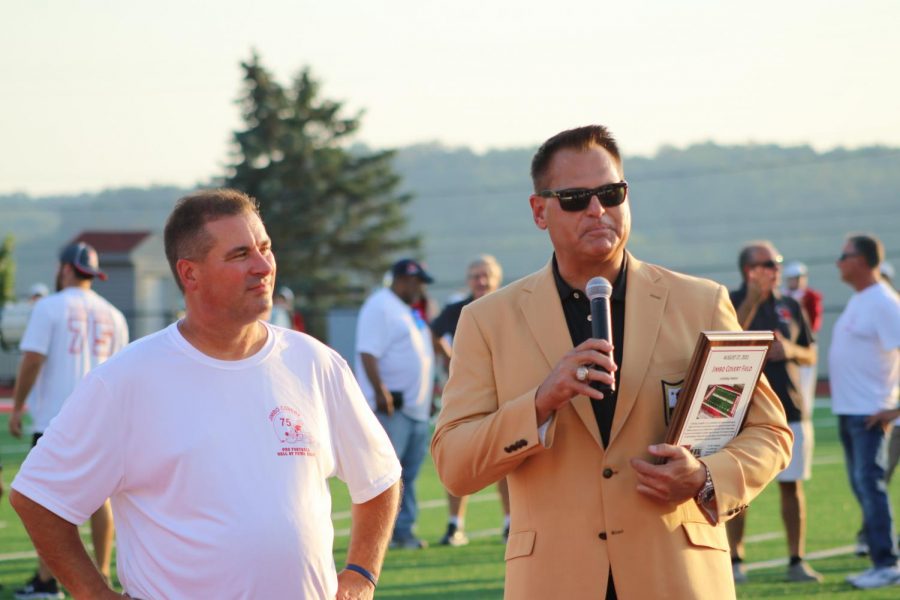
{"points": [[15, 423], [384, 401], [562, 384]]}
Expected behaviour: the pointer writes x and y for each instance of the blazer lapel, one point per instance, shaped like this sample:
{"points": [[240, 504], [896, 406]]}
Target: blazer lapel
{"points": [[644, 304], [543, 314]]}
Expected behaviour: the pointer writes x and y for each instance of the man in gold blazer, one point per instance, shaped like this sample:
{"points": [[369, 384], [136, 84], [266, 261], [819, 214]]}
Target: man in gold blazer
{"points": [[593, 514]]}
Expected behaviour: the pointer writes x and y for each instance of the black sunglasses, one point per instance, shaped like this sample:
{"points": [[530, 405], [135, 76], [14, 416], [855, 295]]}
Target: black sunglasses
{"points": [[845, 255], [768, 264], [574, 200]]}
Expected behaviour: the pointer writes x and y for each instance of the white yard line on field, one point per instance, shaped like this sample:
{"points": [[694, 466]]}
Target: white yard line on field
{"points": [[427, 504], [763, 537], [484, 533], [18, 555], [827, 553]]}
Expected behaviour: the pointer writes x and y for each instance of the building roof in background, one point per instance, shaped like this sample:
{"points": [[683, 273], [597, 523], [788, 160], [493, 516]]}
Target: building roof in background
{"points": [[112, 241]]}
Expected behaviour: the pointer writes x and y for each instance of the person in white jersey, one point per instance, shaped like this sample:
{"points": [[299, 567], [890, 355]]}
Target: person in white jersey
{"points": [[864, 367], [395, 369], [214, 440], [69, 333]]}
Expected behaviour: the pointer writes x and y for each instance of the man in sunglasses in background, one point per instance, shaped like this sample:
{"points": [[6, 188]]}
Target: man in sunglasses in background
{"points": [[864, 370], [761, 307], [593, 514]]}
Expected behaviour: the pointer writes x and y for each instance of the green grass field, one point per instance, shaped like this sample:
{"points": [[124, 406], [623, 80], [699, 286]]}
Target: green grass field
{"points": [[476, 570]]}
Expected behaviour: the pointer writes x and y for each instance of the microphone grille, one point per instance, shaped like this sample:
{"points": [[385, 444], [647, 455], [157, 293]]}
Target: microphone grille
{"points": [[598, 287]]}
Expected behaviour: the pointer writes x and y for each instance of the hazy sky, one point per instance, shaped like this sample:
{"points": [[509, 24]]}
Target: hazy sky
{"points": [[108, 93]]}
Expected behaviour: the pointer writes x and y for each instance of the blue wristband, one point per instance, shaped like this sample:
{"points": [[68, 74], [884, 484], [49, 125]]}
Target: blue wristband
{"points": [[362, 571]]}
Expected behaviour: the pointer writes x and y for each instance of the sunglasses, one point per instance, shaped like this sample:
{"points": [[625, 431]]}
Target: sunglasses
{"points": [[767, 264], [574, 200], [844, 256]]}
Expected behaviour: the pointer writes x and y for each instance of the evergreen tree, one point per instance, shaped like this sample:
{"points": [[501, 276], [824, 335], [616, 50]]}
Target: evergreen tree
{"points": [[7, 271], [335, 214]]}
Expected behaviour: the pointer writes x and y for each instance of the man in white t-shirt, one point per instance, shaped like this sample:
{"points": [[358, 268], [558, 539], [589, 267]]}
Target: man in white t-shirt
{"points": [[395, 368], [214, 440], [864, 366], [68, 334]]}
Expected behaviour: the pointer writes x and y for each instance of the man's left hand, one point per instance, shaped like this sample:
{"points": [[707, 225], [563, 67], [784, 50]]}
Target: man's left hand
{"points": [[353, 586], [882, 419], [679, 479]]}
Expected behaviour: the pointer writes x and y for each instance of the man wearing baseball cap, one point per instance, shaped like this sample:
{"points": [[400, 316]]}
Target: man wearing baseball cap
{"points": [[395, 369], [68, 334]]}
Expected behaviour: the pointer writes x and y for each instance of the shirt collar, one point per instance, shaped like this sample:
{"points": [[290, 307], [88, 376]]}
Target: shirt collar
{"points": [[775, 297], [565, 290]]}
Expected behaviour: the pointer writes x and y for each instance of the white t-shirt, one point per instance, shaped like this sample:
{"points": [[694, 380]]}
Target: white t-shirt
{"points": [[864, 358], [217, 470], [392, 332], [76, 330]]}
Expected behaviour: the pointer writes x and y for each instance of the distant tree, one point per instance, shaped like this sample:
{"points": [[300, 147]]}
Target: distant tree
{"points": [[335, 215], [7, 270]]}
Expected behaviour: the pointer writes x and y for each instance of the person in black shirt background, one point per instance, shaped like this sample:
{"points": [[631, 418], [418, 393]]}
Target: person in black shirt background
{"points": [[483, 275], [760, 306]]}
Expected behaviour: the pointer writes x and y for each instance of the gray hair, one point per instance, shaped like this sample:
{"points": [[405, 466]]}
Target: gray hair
{"points": [[487, 260]]}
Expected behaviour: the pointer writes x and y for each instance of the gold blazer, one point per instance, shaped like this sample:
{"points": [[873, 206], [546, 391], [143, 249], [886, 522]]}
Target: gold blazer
{"points": [[575, 509]]}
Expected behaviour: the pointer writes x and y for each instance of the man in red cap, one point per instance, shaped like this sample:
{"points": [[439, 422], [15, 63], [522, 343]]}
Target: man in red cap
{"points": [[68, 334]]}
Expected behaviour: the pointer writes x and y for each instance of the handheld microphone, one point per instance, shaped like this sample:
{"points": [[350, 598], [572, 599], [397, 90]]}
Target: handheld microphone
{"points": [[598, 292]]}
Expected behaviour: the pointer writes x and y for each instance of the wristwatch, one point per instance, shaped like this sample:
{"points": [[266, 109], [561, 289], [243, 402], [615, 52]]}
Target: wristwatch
{"points": [[707, 492]]}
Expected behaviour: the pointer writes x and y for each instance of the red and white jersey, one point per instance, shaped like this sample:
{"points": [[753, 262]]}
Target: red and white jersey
{"points": [[76, 330]]}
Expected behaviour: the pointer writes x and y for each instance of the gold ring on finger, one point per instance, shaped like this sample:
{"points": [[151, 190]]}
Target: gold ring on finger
{"points": [[581, 373]]}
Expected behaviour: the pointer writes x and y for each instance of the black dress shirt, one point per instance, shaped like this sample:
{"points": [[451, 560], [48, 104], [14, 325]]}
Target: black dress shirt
{"points": [[577, 309], [447, 321]]}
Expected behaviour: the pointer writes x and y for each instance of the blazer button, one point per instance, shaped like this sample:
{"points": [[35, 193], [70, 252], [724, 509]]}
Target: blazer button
{"points": [[607, 472], [602, 535]]}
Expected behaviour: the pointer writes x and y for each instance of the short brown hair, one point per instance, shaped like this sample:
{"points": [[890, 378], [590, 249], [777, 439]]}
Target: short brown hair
{"points": [[869, 247], [581, 139], [185, 235]]}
